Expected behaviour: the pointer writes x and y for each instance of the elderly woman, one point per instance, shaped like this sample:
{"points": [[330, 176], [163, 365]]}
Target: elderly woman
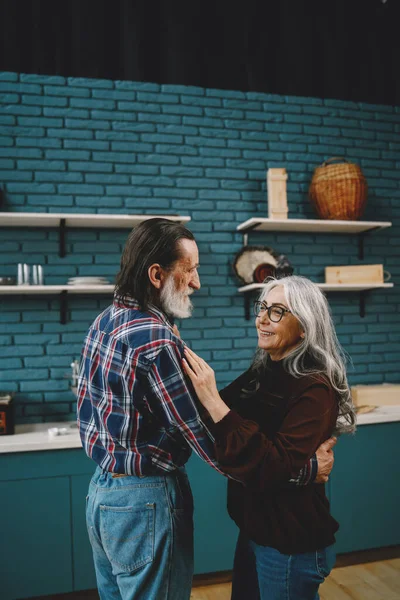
{"points": [[267, 424]]}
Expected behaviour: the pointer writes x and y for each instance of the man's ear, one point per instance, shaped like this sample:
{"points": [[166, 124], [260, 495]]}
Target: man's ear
{"points": [[156, 275]]}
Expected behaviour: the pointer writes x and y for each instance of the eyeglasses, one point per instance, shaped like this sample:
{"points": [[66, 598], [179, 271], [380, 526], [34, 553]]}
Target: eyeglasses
{"points": [[275, 313]]}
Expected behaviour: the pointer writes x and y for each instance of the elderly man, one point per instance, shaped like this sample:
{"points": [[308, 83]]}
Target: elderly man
{"points": [[139, 420]]}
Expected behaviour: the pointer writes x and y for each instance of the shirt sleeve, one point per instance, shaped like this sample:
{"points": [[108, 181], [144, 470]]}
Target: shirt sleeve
{"points": [[249, 455], [173, 399]]}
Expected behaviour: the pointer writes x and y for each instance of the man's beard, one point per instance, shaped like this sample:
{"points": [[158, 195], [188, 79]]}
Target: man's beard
{"points": [[174, 303]]}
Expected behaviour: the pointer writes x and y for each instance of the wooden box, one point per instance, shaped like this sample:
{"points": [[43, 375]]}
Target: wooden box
{"points": [[277, 199], [376, 395], [354, 274]]}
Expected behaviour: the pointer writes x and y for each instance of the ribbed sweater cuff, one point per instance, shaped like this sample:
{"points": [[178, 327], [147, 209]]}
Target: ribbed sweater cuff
{"points": [[230, 422]]}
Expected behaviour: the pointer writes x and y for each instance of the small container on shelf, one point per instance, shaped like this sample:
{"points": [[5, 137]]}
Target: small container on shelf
{"points": [[356, 274], [382, 394], [277, 199]]}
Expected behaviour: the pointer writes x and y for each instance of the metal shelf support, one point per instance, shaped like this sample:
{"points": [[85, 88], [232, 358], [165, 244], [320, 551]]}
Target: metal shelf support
{"points": [[62, 233], [247, 301], [63, 307], [362, 303]]}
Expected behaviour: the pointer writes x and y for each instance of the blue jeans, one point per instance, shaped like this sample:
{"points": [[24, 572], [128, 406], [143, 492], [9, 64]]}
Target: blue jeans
{"points": [[263, 573], [141, 532]]}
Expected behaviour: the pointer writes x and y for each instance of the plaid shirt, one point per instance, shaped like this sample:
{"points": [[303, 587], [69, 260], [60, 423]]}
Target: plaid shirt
{"points": [[137, 414]]}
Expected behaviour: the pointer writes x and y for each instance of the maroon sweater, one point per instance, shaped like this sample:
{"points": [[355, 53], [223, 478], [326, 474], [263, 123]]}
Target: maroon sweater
{"points": [[264, 441]]}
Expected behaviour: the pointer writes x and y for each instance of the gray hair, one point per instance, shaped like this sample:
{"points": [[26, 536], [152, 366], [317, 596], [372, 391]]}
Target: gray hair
{"points": [[320, 351]]}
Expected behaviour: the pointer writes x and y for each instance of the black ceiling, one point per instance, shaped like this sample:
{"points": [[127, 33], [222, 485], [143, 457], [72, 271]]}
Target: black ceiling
{"points": [[347, 49]]}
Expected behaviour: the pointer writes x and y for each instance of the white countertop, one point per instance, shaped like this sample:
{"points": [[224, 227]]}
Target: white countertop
{"points": [[35, 436], [381, 414]]}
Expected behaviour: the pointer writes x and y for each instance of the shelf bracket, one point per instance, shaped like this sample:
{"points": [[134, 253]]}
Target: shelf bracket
{"points": [[62, 231], [246, 234], [247, 306], [247, 302], [63, 306], [362, 303]]}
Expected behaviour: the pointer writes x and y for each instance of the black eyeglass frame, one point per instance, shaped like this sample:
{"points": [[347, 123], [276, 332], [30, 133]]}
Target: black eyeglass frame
{"points": [[260, 306]]}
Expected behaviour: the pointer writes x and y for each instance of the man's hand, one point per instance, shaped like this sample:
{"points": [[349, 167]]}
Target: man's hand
{"points": [[325, 460]]}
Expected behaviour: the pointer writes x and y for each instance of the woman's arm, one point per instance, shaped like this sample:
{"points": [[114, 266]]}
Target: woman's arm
{"points": [[248, 454]]}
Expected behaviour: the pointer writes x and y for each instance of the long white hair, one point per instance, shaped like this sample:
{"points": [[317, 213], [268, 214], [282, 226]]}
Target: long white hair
{"points": [[320, 351]]}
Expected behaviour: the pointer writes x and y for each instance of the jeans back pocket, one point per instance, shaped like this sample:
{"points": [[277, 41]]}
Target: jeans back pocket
{"points": [[127, 535]]}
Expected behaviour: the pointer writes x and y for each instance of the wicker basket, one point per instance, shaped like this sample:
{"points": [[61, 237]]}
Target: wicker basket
{"points": [[338, 191]]}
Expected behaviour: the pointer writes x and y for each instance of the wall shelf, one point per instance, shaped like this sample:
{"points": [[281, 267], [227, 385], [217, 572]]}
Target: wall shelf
{"points": [[361, 288], [61, 290], [310, 225], [78, 220], [328, 287], [73, 220], [54, 289], [94, 220], [313, 226]]}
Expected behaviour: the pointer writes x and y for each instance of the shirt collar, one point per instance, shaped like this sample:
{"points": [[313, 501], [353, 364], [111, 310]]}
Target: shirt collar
{"points": [[133, 304]]}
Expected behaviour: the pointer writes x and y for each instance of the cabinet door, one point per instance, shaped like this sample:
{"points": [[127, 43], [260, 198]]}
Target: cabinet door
{"points": [[35, 538], [215, 533], [365, 488], [84, 574]]}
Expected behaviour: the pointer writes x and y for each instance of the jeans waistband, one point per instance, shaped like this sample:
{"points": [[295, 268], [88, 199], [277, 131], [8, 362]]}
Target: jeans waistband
{"points": [[178, 471]]}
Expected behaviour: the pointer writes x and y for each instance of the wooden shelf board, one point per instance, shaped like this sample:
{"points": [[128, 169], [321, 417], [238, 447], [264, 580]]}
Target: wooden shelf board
{"points": [[55, 289], [328, 287], [310, 225], [20, 219]]}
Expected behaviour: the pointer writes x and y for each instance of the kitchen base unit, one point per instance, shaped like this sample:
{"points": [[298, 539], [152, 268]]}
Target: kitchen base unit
{"points": [[44, 542], [365, 488]]}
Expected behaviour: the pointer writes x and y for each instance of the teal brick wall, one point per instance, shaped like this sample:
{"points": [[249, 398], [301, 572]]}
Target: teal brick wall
{"points": [[97, 146]]}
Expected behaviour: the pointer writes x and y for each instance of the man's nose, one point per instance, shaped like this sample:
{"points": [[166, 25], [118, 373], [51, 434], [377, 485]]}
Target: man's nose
{"points": [[195, 281]]}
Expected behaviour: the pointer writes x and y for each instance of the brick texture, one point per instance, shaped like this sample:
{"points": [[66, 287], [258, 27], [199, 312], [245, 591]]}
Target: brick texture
{"points": [[99, 146]]}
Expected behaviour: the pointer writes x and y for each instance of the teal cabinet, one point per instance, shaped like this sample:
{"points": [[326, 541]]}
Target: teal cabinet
{"points": [[365, 488], [44, 546], [35, 540], [43, 543], [215, 533], [83, 569]]}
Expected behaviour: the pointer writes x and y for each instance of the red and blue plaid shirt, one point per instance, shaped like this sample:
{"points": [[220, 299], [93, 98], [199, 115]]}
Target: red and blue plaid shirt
{"points": [[137, 413]]}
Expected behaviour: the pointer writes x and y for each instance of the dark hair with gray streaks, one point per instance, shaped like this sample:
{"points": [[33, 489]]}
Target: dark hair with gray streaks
{"points": [[320, 351], [155, 240]]}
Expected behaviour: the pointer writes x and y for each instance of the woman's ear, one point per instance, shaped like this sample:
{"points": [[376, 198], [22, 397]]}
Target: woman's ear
{"points": [[156, 275]]}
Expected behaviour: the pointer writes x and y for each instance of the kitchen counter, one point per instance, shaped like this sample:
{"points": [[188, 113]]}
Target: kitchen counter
{"points": [[35, 436], [381, 414]]}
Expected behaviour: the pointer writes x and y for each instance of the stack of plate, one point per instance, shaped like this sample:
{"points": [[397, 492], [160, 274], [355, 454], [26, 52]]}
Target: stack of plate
{"points": [[88, 281]]}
